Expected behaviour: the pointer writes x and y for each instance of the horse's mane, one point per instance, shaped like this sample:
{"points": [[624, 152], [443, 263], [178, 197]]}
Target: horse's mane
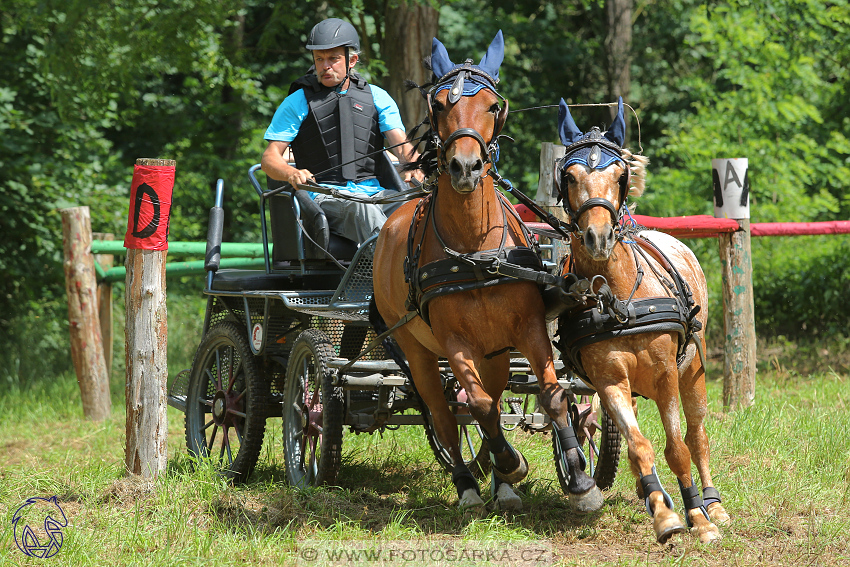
{"points": [[637, 165]]}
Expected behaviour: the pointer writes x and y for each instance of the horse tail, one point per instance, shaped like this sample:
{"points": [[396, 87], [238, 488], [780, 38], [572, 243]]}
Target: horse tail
{"points": [[390, 346]]}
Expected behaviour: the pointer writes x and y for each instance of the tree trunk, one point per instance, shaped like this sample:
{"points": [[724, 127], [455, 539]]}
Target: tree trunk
{"points": [[86, 339], [409, 28], [618, 45]]}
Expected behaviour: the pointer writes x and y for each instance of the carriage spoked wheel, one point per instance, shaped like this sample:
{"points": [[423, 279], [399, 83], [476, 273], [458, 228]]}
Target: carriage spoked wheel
{"points": [[600, 441], [313, 412], [475, 454], [225, 422]]}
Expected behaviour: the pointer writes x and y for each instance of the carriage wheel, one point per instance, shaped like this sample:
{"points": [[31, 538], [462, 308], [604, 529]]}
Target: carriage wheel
{"points": [[600, 440], [313, 413], [475, 455], [225, 421]]}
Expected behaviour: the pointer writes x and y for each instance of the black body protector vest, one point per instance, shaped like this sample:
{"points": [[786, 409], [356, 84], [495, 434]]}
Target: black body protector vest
{"points": [[338, 129]]}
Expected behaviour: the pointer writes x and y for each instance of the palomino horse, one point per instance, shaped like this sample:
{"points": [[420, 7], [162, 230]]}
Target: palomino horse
{"points": [[644, 335], [442, 259]]}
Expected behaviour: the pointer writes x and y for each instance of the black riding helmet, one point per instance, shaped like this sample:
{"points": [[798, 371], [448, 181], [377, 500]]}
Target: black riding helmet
{"points": [[331, 33]]}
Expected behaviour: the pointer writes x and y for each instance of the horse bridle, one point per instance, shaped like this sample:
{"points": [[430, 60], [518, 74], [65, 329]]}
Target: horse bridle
{"points": [[592, 139], [457, 77]]}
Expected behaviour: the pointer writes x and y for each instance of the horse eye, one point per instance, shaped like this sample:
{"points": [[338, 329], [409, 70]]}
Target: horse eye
{"points": [[438, 106], [568, 177], [495, 108]]}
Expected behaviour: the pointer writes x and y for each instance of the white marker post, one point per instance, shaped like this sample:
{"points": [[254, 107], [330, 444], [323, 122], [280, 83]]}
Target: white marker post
{"points": [[731, 200]]}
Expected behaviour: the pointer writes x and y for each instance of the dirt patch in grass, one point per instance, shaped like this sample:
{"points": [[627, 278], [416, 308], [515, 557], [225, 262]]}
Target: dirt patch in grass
{"points": [[129, 490]]}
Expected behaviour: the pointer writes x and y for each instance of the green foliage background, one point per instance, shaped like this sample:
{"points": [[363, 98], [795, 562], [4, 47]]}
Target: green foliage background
{"points": [[86, 87]]}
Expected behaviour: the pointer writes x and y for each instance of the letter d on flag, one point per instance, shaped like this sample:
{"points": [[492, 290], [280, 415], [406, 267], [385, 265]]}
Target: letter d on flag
{"points": [[150, 206]]}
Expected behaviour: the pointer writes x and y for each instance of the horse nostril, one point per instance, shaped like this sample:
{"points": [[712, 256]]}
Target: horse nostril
{"points": [[455, 168], [477, 168], [590, 239]]}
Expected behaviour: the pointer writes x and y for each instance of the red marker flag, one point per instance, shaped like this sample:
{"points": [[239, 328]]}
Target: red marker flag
{"points": [[150, 207]]}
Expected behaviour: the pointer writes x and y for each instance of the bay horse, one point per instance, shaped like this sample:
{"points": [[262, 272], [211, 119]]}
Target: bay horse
{"points": [[646, 334], [438, 269]]}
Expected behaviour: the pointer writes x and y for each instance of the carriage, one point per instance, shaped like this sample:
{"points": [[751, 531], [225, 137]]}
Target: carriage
{"points": [[461, 285], [281, 342]]}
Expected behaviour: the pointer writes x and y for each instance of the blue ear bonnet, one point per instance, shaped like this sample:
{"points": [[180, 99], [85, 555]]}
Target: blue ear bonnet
{"points": [[468, 78], [592, 149], [593, 156]]}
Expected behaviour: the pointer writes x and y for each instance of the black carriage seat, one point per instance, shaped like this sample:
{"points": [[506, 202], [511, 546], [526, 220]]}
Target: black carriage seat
{"points": [[253, 280], [291, 246]]}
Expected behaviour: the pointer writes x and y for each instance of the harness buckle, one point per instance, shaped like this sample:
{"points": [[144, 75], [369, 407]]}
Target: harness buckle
{"points": [[494, 267]]}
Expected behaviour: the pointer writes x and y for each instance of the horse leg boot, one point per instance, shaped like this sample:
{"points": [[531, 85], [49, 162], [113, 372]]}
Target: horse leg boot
{"points": [[468, 492], [712, 501], [659, 505], [585, 497], [696, 515], [508, 463]]}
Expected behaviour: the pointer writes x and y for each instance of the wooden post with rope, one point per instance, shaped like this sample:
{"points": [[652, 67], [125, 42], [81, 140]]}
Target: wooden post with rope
{"points": [[731, 200], [86, 339], [146, 327]]}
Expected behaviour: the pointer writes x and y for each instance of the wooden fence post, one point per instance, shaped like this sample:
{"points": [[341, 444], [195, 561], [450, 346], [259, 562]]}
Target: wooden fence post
{"points": [[146, 327], [547, 198], [86, 339], [104, 302], [731, 200]]}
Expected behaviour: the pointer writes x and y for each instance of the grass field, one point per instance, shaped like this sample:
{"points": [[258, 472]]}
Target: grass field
{"points": [[783, 467]]}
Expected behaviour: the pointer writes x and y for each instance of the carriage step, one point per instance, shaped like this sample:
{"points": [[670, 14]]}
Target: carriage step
{"points": [[371, 382]]}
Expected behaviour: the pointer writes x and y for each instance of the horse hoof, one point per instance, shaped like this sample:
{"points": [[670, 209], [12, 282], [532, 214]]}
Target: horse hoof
{"points": [[718, 514], [588, 502], [507, 500], [470, 499], [516, 476], [669, 532], [707, 533]]}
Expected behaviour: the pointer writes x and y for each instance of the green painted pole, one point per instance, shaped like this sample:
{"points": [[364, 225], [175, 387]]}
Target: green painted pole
{"points": [[195, 267], [232, 249]]}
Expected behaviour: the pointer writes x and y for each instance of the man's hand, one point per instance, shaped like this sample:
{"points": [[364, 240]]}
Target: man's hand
{"points": [[415, 174], [276, 165], [405, 152], [297, 177]]}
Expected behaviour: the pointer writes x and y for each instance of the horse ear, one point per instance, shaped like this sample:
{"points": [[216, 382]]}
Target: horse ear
{"points": [[492, 60], [567, 129], [440, 62], [617, 132]]}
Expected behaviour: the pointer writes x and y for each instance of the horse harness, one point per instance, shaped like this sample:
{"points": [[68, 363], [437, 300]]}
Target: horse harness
{"points": [[606, 317], [466, 271]]}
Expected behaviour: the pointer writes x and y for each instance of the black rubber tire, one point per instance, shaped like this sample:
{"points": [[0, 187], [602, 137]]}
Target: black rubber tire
{"points": [[306, 372], [602, 465], [225, 403], [471, 436]]}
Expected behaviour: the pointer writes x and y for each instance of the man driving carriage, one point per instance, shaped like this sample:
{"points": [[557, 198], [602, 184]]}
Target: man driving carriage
{"points": [[334, 123]]}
